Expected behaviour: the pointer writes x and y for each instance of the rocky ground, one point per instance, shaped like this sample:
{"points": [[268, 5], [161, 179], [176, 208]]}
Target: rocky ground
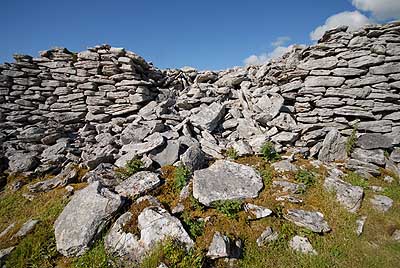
{"points": [[107, 161]]}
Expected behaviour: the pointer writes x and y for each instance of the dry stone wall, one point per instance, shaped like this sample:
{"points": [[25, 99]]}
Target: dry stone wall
{"points": [[109, 105]]}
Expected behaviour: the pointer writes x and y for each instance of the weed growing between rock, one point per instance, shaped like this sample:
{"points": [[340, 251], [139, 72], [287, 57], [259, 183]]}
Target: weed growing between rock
{"points": [[132, 166], [232, 153], [181, 175], [229, 208], [269, 152], [351, 141]]}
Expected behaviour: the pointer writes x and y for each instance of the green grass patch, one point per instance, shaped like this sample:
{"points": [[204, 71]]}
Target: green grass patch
{"points": [[232, 153], [356, 179], [306, 177], [132, 166], [229, 208], [181, 175], [351, 141]]}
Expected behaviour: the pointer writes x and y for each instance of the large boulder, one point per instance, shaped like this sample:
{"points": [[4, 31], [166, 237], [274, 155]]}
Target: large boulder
{"points": [[225, 180], [333, 147], [84, 218]]}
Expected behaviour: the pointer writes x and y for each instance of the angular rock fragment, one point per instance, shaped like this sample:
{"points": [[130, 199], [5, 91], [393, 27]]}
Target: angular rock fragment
{"points": [[302, 245], [333, 147], [311, 220], [138, 184], [381, 203], [84, 217], [225, 180], [223, 247], [268, 235]]}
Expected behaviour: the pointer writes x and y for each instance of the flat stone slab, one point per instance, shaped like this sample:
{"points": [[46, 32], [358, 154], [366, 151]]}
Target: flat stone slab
{"points": [[85, 216], [138, 184], [225, 180], [381, 203], [311, 220]]}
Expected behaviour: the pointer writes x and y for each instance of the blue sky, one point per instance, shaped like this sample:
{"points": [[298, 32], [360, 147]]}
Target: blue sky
{"points": [[203, 34]]}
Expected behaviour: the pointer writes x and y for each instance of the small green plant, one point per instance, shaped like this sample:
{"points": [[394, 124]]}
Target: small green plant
{"points": [[306, 177], [182, 174], [356, 180], [131, 167], [195, 203], [278, 211], [287, 231], [267, 173], [392, 191], [386, 153], [232, 153], [175, 255], [268, 152], [95, 257], [194, 226], [229, 208], [351, 141]]}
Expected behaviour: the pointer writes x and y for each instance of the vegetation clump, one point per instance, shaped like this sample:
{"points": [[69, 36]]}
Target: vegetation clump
{"points": [[131, 167], [351, 141], [306, 177], [357, 180], [229, 208], [269, 152], [182, 174], [232, 153], [193, 225]]}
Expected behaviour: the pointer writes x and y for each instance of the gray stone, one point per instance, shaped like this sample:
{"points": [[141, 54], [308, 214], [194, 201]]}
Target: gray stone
{"points": [[370, 141], [156, 224], [360, 225], [22, 162], [324, 81], [223, 247], [395, 155], [138, 184], [258, 212], [285, 137], [363, 168], [289, 187], [67, 176], [225, 180], [322, 63], [193, 158], [84, 218], [333, 147], [284, 166], [26, 228], [311, 220], [365, 61], [241, 147], [269, 106], [347, 195], [268, 235], [209, 117], [348, 72], [5, 252], [134, 133], [302, 245], [166, 155], [284, 122], [396, 235], [381, 203], [104, 173], [387, 68], [376, 156]]}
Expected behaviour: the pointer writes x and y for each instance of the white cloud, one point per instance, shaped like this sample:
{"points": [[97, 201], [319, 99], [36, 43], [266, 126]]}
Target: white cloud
{"points": [[380, 9], [280, 41], [265, 57], [354, 20]]}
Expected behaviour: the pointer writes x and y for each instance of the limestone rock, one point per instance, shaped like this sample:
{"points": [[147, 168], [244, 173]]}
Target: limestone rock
{"points": [[381, 203], [258, 212], [284, 166], [22, 162], [26, 228], [138, 184], [193, 158], [209, 117], [222, 247], [347, 195], [75, 229], [302, 245], [333, 147], [289, 187], [225, 180], [360, 225], [311, 220], [268, 235]]}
